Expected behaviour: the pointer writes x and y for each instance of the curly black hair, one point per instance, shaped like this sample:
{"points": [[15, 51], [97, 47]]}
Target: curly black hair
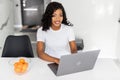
{"points": [[47, 16]]}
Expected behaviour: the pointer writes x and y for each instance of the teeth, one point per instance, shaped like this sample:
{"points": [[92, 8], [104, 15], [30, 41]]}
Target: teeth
{"points": [[57, 22]]}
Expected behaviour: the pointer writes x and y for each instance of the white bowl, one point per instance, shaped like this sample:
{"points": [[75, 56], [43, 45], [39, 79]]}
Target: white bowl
{"points": [[14, 60]]}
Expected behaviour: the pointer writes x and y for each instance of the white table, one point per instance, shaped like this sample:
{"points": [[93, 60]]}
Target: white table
{"points": [[105, 69]]}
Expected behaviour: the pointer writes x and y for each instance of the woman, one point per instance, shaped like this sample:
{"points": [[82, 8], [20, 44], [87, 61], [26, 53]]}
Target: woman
{"points": [[55, 38]]}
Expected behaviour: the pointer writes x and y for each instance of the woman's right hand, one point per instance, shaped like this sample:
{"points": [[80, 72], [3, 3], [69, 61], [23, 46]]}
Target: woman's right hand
{"points": [[57, 61]]}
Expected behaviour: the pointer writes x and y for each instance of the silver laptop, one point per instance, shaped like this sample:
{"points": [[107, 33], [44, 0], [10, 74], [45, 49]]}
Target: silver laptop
{"points": [[73, 63]]}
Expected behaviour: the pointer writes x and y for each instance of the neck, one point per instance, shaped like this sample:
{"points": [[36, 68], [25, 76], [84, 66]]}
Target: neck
{"points": [[55, 27]]}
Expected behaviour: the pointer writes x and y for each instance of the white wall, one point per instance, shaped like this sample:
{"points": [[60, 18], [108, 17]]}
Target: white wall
{"points": [[96, 21], [6, 20], [118, 44]]}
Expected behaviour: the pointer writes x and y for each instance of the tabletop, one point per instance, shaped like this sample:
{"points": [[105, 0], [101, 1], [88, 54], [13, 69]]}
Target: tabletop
{"points": [[104, 69]]}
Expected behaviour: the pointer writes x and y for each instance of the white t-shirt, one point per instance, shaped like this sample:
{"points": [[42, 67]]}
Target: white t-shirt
{"points": [[56, 42]]}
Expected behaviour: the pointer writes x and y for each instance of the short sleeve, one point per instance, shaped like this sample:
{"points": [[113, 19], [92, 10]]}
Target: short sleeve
{"points": [[71, 35], [40, 35]]}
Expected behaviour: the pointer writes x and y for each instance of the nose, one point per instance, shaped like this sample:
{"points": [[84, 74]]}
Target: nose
{"points": [[57, 17]]}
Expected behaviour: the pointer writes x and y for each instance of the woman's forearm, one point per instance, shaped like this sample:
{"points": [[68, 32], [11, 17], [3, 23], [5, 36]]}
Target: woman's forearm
{"points": [[46, 57]]}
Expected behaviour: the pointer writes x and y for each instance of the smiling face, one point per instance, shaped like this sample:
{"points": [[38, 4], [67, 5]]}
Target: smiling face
{"points": [[57, 18]]}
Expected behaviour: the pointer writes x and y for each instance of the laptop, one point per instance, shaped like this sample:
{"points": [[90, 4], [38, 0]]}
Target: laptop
{"points": [[73, 63]]}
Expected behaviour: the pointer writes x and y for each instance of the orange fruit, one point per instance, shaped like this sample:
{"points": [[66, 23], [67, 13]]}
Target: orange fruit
{"points": [[25, 66], [24, 69], [20, 66], [17, 70], [16, 63], [22, 60]]}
